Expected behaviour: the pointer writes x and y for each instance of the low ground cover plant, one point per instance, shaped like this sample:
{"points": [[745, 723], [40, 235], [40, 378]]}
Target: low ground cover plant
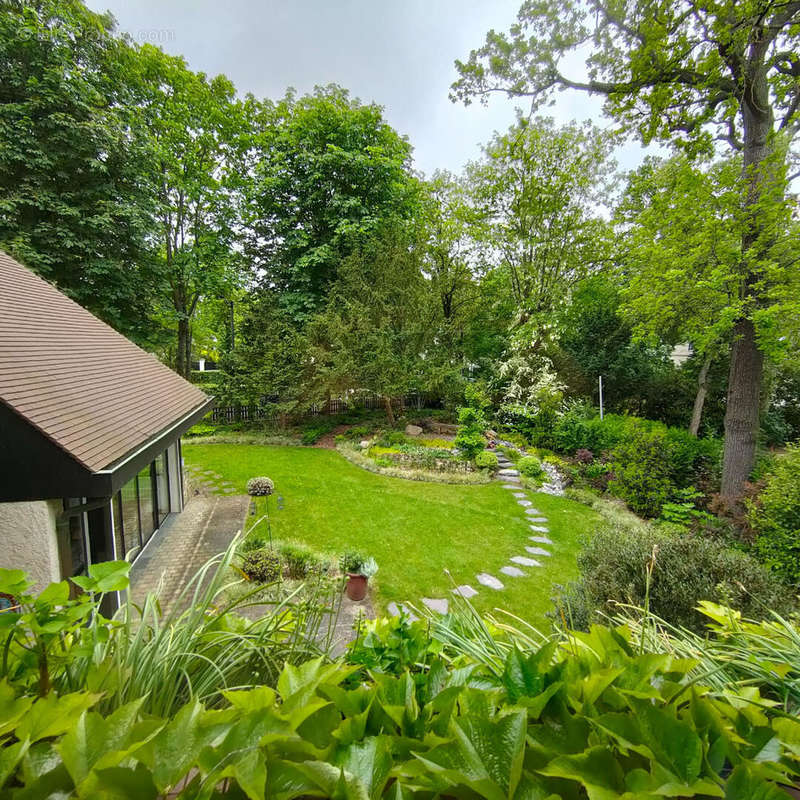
{"points": [[443, 707], [486, 459]]}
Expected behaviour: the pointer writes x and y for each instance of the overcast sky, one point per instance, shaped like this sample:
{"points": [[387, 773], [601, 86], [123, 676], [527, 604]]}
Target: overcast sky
{"points": [[397, 53]]}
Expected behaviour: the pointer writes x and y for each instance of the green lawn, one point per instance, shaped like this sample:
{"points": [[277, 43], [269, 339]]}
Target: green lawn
{"points": [[414, 530]]}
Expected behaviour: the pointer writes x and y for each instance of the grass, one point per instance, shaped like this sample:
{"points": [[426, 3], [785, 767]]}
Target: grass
{"points": [[414, 530]]}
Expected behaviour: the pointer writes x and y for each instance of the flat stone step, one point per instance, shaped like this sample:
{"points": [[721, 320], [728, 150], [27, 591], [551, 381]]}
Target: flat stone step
{"points": [[521, 495], [525, 503], [437, 604], [540, 528], [485, 579], [396, 610], [509, 472], [537, 519], [533, 512], [465, 591], [525, 561], [514, 572], [538, 551], [513, 486], [541, 539]]}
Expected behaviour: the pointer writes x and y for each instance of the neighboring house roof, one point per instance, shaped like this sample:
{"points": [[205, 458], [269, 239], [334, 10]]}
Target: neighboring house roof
{"points": [[88, 389]]}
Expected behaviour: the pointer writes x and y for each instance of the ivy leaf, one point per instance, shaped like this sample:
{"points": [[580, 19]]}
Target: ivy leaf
{"points": [[745, 784]]}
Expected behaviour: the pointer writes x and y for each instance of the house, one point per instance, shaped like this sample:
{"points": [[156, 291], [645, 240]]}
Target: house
{"points": [[90, 427]]}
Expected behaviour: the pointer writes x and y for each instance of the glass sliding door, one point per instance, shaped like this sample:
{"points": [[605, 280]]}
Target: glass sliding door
{"points": [[129, 500], [162, 487], [146, 503]]}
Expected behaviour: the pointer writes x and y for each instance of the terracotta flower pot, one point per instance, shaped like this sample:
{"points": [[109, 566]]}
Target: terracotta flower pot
{"points": [[356, 586]]}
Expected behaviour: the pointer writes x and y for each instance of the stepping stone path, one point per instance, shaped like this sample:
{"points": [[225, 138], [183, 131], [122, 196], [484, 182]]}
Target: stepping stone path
{"points": [[510, 479], [439, 605], [525, 561], [485, 579], [514, 572]]}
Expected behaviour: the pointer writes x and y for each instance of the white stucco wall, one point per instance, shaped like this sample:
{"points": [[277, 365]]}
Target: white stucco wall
{"points": [[28, 539]]}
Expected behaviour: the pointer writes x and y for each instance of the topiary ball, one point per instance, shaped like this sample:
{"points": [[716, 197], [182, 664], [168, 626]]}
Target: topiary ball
{"points": [[260, 487]]}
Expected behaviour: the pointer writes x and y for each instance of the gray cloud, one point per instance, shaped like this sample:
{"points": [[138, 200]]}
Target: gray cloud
{"points": [[397, 54]]}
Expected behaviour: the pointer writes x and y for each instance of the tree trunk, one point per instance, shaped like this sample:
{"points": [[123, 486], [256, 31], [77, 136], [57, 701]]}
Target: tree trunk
{"points": [[742, 412], [747, 362], [183, 358], [700, 397], [387, 402]]}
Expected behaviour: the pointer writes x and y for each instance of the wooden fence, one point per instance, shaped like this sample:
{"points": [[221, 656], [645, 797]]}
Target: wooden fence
{"points": [[336, 405]]}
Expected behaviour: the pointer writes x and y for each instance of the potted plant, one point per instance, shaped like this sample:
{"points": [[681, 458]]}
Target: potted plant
{"points": [[359, 569]]}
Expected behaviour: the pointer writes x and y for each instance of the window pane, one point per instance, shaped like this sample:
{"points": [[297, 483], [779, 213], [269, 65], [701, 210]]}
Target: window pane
{"points": [[71, 542], [146, 504], [130, 517], [162, 485]]}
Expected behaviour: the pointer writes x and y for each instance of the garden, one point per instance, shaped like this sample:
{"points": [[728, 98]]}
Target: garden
{"points": [[537, 408]]}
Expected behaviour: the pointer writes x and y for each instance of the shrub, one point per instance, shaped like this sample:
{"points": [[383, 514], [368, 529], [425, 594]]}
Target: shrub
{"points": [[641, 472], [260, 487], [315, 431], [685, 570], [486, 459], [298, 558], [775, 518], [262, 566], [584, 456], [201, 429], [391, 439], [469, 439], [530, 467]]}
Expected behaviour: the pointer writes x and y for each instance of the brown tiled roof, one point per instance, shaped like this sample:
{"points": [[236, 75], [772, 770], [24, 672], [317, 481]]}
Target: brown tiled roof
{"points": [[82, 384]]}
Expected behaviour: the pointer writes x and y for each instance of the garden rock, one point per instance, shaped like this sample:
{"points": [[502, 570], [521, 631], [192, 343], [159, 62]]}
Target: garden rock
{"points": [[525, 561], [413, 430], [396, 610], [364, 444], [439, 605], [485, 579], [537, 551], [514, 572], [509, 472]]}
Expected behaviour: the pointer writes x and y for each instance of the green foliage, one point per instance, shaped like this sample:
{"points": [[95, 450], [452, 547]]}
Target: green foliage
{"points": [[469, 438], [262, 566], [669, 574], [315, 430], [595, 718], [641, 472], [485, 459], [683, 511], [775, 517], [356, 563], [530, 467], [201, 429], [76, 206], [393, 645], [299, 558], [329, 171]]}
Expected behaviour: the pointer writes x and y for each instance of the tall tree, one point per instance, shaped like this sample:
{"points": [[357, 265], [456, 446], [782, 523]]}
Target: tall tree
{"points": [[74, 206], [680, 229], [327, 172], [685, 73], [534, 190], [373, 334], [193, 126]]}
